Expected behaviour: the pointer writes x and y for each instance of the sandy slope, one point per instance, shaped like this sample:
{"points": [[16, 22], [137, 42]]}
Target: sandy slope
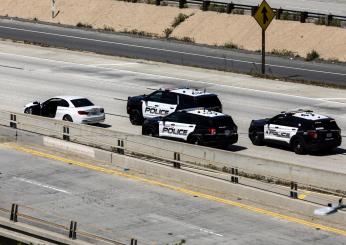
{"points": [[204, 27]]}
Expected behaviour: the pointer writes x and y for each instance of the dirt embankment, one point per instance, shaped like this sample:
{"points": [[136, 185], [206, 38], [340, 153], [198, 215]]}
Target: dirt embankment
{"points": [[203, 27]]}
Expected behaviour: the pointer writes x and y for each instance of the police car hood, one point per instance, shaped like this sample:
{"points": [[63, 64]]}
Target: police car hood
{"points": [[136, 99]]}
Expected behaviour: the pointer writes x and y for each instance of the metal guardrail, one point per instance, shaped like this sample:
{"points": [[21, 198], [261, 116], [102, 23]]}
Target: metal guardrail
{"points": [[285, 14]]}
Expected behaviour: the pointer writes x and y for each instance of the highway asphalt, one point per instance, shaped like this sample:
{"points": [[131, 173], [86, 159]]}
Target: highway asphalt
{"points": [[171, 52], [123, 208], [30, 73]]}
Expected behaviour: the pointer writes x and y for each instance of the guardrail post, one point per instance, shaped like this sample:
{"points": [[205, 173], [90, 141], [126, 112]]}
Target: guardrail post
{"points": [[133, 241], [176, 158], [72, 233], [66, 133], [13, 121], [303, 16], [279, 13], [293, 192], [157, 2], [329, 19], [229, 8], [253, 10], [14, 213], [120, 148], [182, 3], [205, 5], [234, 177]]}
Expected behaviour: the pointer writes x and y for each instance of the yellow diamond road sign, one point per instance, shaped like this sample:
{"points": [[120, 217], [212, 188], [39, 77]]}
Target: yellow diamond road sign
{"points": [[264, 15]]}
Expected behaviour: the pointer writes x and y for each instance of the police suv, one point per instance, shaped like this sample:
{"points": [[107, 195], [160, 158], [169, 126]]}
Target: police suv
{"points": [[195, 126], [302, 130], [164, 102]]}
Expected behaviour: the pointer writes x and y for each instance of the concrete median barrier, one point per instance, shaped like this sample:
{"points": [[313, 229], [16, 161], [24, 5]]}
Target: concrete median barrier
{"points": [[109, 140]]}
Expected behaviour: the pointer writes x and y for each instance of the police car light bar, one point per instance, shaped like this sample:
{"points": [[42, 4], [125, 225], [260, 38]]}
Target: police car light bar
{"points": [[297, 111]]}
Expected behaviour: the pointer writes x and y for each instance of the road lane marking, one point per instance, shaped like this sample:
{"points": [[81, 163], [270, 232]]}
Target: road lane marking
{"points": [[176, 78], [118, 64], [171, 51], [41, 185], [303, 195], [178, 189]]}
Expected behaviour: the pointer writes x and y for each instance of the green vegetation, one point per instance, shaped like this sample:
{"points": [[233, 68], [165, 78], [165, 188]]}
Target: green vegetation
{"points": [[323, 21], [217, 8], [179, 19], [188, 39], [82, 25], [168, 32], [284, 52], [238, 11], [312, 55], [231, 45], [287, 16], [108, 28]]}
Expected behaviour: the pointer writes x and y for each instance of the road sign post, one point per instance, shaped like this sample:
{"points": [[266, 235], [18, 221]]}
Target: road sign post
{"points": [[264, 15]]}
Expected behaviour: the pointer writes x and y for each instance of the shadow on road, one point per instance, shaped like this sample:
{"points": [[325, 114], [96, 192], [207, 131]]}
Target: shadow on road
{"points": [[102, 125]]}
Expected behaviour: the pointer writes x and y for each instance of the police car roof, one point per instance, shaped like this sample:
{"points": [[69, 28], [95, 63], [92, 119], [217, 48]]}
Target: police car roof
{"points": [[306, 114], [309, 116], [190, 92], [204, 113]]}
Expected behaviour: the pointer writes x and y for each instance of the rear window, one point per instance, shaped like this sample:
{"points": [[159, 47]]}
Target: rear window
{"points": [[328, 124], [218, 121], [208, 101], [81, 102]]}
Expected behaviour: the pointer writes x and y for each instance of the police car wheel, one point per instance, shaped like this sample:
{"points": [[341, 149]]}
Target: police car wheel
{"points": [[136, 118], [150, 132], [298, 147], [256, 138], [195, 141]]}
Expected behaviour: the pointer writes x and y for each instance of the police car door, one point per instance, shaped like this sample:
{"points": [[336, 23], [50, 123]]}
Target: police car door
{"points": [[280, 129], [176, 126], [158, 104], [272, 129]]}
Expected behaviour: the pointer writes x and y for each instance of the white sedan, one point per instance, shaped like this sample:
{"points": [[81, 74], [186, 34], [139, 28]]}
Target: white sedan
{"points": [[68, 108]]}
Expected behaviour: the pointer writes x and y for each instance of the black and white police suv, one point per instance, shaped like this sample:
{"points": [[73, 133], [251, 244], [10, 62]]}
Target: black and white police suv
{"points": [[164, 102], [302, 130], [195, 126]]}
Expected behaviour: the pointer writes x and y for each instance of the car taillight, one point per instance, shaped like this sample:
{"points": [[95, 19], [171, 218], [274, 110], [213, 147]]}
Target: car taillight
{"points": [[83, 112], [212, 131], [312, 134], [102, 110]]}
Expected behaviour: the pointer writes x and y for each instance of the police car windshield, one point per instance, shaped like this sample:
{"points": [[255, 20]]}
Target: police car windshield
{"points": [[325, 124], [81, 102], [208, 101]]}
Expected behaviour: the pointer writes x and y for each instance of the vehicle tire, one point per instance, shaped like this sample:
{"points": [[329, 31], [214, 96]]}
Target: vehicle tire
{"points": [[28, 110], [194, 140], [256, 138], [136, 118], [67, 118], [298, 146], [149, 131]]}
